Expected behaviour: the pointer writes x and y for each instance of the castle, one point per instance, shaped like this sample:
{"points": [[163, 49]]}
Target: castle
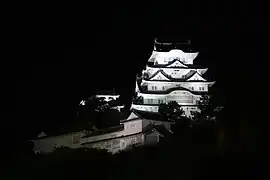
{"points": [[171, 75]]}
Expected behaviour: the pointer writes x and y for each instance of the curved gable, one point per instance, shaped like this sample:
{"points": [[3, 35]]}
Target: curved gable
{"points": [[159, 76], [176, 63], [196, 77]]}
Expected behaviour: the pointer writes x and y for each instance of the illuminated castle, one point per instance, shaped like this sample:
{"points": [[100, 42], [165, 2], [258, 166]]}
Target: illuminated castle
{"points": [[170, 75]]}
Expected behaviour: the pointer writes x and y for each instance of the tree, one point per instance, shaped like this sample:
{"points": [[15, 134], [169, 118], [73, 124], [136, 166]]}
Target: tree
{"points": [[209, 109], [138, 100], [173, 112], [100, 112]]}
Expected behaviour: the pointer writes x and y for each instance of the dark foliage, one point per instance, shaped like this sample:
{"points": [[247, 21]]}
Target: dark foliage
{"points": [[100, 113], [190, 153], [167, 160], [138, 100], [172, 111]]}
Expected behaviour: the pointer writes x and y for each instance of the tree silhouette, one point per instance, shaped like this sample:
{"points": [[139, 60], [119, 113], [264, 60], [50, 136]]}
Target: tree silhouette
{"points": [[209, 109], [99, 112], [172, 111]]}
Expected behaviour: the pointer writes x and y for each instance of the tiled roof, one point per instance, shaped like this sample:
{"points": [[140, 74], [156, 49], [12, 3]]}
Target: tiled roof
{"points": [[190, 74], [189, 66], [159, 128], [143, 90], [105, 131]]}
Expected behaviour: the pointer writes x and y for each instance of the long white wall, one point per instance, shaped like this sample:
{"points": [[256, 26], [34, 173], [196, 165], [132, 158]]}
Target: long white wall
{"points": [[74, 140], [180, 96], [163, 86], [119, 144], [154, 108], [47, 144], [130, 127]]}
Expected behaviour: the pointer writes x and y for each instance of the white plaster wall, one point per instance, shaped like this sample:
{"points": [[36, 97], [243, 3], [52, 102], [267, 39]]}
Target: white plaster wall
{"points": [[136, 87], [129, 141], [163, 86], [174, 72], [145, 108], [180, 96], [165, 57], [183, 97], [190, 57], [187, 109], [112, 145], [130, 127], [119, 144], [47, 145], [74, 140]]}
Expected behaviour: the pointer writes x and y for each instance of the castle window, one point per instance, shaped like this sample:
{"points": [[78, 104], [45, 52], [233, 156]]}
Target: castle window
{"points": [[202, 88], [192, 88], [199, 88], [163, 88], [153, 87]]}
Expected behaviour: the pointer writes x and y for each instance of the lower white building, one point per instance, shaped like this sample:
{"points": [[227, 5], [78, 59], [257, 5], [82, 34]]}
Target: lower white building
{"points": [[133, 131]]}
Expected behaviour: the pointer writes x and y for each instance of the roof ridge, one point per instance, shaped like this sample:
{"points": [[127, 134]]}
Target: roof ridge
{"points": [[170, 77], [171, 62]]}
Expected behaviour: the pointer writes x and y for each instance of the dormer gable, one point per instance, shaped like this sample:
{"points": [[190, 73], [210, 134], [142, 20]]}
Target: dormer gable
{"points": [[159, 76], [177, 63], [196, 77]]}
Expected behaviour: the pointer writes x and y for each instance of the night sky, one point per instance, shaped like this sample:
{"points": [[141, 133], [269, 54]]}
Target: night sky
{"points": [[67, 54]]}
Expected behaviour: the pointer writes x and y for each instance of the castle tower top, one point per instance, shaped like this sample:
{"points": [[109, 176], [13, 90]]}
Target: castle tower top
{"points": [[165, 45], [160, 41]]}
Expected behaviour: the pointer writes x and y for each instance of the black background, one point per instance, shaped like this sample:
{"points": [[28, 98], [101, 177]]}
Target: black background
{"points": [[62, 52]]}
